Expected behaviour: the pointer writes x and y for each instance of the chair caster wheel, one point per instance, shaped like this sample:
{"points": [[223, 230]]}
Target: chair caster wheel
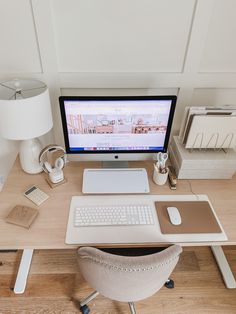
{"points": [[85, 309], [170, 284]]}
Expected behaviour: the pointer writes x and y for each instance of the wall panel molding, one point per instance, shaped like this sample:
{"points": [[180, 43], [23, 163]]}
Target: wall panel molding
{"points": [[190, 82]]}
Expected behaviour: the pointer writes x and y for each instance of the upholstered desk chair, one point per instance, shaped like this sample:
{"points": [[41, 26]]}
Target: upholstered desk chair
{"points": [[125, 278]]}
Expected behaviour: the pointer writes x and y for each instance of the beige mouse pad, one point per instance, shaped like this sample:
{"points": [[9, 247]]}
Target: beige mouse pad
{"points": [[197, 217]]}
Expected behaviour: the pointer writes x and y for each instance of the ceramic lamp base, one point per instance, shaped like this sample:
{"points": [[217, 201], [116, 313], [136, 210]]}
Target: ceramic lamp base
{"points": [[29, 155]]}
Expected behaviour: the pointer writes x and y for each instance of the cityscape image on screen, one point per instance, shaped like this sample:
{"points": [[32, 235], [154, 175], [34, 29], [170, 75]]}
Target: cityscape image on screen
{"points": [[121, 124]]}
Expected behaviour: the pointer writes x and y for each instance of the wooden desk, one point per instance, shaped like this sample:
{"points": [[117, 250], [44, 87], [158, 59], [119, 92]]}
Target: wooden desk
{"points": [[49, 229]]}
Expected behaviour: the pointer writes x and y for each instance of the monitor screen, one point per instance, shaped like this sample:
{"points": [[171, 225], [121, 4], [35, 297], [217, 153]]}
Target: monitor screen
{"points": [[121, 124]]}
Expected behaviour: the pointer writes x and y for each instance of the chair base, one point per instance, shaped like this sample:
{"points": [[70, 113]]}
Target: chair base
{"points": [[132, 308], [92, 296], [170, 284], [84, 308]]}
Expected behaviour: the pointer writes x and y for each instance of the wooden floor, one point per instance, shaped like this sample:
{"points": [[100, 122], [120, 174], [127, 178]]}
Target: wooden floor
{"points": [[54, 280]]}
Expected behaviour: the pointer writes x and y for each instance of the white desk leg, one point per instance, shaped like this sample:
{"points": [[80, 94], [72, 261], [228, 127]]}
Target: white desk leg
{"points": [[23, 271], [224, 267]]}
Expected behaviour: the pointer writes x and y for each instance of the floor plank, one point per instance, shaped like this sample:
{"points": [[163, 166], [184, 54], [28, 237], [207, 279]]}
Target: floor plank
{"points": [[55, 284]]}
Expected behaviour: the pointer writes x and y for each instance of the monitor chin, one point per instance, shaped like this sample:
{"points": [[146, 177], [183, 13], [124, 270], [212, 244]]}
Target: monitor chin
{"points": [[111, 157]]}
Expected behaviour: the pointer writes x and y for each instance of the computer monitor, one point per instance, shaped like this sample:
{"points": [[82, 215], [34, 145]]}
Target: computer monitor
{"points": [[116, 128]]}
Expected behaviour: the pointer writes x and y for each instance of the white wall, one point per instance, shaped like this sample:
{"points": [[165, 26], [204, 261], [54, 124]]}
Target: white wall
{"points": [[120, 47]]}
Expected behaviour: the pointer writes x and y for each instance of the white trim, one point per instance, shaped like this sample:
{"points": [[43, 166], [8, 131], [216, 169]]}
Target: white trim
{"points": [[46, 42], [224, 266], [23, 271], [132, 80], [202, 15]]}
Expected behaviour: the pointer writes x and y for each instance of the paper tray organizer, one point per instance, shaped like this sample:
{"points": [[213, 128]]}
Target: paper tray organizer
{"points": [[209, 131]]}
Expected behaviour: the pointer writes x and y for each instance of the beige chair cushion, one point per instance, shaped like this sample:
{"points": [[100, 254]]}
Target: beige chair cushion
{"points": [[124, 278]]}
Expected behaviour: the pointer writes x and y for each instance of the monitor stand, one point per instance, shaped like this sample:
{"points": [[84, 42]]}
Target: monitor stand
{"points": [[115, 164], [115, 181]]}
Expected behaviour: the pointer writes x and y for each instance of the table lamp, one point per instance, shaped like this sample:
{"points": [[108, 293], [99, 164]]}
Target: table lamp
{"points": [[25, 114]]}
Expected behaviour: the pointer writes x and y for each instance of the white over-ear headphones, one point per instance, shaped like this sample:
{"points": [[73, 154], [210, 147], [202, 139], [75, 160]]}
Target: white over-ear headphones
{"points": [[52, 159]]}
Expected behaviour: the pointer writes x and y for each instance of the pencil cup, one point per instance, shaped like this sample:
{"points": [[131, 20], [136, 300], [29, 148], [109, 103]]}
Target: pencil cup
{"points": [[160, 178]]}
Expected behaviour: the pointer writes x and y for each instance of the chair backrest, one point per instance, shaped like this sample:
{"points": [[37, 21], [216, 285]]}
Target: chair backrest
{"points": [[125, 278]]}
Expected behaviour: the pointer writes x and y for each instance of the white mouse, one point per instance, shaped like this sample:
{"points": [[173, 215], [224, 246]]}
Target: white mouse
{"points": [[174, 215]]}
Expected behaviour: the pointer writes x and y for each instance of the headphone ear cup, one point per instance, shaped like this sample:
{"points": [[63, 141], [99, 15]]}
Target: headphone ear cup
{"points": [[59, 163], [47, 166]]}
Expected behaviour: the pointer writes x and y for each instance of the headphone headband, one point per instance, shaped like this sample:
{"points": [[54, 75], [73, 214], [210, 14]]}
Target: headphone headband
{"points": [[43, 158]]}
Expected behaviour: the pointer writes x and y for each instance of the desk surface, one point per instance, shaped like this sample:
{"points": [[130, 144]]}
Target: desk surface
{"points": [[49, 229]]}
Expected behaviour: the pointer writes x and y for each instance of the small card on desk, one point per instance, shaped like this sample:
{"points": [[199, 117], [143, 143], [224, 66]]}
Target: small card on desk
{"points": [[22, 216]]}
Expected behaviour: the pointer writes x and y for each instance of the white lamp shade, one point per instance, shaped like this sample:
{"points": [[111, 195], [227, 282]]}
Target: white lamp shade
{"points": [[27, 118]]}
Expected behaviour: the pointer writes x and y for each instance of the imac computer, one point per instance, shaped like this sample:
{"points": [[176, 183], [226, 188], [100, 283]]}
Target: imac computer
{"points": [[116, 128]]}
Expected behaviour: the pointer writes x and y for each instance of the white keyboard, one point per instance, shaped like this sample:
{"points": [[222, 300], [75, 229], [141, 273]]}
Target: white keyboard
{"points": [[113, 215]]}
